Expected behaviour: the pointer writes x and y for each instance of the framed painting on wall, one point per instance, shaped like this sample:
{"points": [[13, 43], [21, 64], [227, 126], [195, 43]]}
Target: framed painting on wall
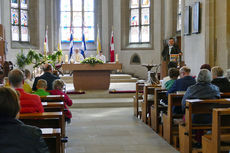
{"points": [[196, 18], [187, 21]]}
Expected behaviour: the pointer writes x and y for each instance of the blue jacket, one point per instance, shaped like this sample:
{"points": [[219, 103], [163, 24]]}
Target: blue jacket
{"points": [[48, 77], [16, 137], [182, 84], [201, 90]]}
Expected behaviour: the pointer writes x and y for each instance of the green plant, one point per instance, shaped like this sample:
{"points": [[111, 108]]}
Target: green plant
{"points": [[22, 60], [92, 61], [33, 57]]}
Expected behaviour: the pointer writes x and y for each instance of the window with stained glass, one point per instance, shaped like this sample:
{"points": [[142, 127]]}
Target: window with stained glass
{"points": [[19, 20], [77, 16], [179, 19], [139, 25]]}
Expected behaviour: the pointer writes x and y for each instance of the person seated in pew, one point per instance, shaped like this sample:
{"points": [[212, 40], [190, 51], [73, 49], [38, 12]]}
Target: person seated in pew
{"points": [[27, 86], [185, 81], [48, 76], [28, 78], [167, 78], [41, 88], [173, 74], [205, 66], [29, 103], [228, 74], [58, 86], [1, 77], [17, 137], [203, 89], [219, 79]]}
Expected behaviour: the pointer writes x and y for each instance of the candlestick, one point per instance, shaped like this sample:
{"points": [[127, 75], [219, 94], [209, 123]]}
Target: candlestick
{"points": [[66, 59], [116, 58]]}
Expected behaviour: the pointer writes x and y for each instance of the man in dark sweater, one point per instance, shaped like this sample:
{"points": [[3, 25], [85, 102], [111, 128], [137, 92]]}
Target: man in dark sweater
{"points": [[48, 76], [219, 80]]}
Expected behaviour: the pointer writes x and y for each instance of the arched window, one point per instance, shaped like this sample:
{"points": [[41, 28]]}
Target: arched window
{"points": [[139, 25], [77, 16], [19, 20]]}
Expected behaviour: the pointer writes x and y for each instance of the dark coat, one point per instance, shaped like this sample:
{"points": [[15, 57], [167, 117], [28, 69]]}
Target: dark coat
{"points": [[201, 90], [48, 77], [222, 83], [181, 85], [165, 53], [16, 137]]}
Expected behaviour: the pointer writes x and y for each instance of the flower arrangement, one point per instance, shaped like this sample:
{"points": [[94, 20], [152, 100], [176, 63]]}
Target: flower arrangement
{"points": [[92, 61], [33, 57]]}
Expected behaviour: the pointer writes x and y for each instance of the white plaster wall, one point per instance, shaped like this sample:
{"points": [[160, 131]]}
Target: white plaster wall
{"points": [[194, 44], [147, 56]]}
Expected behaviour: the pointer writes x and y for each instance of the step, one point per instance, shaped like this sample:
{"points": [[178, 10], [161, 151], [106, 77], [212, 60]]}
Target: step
{"points": [[85, 96], [124, 80], [120, 76], [102, 102]]}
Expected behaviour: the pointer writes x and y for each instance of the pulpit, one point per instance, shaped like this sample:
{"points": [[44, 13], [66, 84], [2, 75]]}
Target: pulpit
{"points": [[91, 77]]}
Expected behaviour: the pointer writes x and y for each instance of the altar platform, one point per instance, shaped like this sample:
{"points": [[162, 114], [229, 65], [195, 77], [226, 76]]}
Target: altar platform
{"points": [[120, 94]]}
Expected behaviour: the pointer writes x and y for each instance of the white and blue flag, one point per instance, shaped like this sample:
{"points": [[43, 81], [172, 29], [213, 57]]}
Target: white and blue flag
{"points": [[83, 45], [71, 46]]}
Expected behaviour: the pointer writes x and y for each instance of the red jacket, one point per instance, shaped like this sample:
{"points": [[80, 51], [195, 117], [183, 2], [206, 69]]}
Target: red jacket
{"points": [[67, 101], [30, 103]]}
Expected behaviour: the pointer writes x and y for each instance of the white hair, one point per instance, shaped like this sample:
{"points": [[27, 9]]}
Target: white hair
{"points": [[204, 76]]}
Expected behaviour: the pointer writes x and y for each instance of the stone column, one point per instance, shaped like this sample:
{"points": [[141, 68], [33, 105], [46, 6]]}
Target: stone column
{"points": [[107, 15], [168, 18], [1, 12], [49, 21]]}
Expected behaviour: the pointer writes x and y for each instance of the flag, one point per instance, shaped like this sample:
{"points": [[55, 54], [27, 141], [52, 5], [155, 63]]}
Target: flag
{"points": [[46, 48], [98, 40], [112, 48], [83, 45], [71, 45]]}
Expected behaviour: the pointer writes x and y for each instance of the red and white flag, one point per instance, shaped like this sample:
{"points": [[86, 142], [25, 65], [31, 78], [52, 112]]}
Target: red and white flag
{"points": [[112, 48], [46, 47]]}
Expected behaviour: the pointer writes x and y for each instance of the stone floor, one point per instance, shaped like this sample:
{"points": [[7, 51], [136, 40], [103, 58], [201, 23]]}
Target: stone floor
{"points": [[112, 130]]}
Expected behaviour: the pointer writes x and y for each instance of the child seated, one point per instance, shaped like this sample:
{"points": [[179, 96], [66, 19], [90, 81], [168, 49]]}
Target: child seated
{"points": [[58, 86], [41, 88]]}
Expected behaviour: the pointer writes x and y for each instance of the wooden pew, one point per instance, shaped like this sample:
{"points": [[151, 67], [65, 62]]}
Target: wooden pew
{"points": [[45, 120], [147, 103], [138, 98], [156, 108], [52, 138], [197, 106], [170, 130], [52, 98], [53, 106], [220, 133]]}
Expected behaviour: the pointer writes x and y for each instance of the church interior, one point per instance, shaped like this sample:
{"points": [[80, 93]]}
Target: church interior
{"points": [[121, 102]]}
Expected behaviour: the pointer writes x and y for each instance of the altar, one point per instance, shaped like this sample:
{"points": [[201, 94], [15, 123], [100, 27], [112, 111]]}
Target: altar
{"points": [[91, 77]]}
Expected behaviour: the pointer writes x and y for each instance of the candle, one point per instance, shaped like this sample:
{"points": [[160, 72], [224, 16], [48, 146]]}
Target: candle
{"points": [[116, 59], [66, 59], [71, 61], [45, 49]]}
